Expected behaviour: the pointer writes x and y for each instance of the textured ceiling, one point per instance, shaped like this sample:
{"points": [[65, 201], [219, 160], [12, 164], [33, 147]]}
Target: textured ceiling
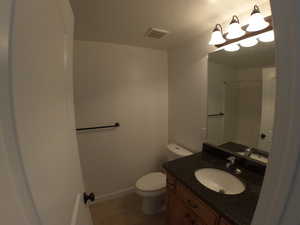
{"points": [[126, 21]]}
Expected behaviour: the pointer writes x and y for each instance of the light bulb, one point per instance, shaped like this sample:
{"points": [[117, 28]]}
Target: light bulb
{"points": [[234, 29], [257, 21], [232, 47], [217, 37], [267, 37], [249, 42]]}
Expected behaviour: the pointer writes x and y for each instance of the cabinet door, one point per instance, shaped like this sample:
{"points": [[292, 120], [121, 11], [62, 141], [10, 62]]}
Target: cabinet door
{"points": [[193, 219], [196, 205], [175, 214], [179, 214], [224, 222], [176, 211]]}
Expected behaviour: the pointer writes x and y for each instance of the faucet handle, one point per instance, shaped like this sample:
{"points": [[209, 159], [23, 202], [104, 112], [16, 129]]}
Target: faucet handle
{"points": [[231, 159], [248, 150]]}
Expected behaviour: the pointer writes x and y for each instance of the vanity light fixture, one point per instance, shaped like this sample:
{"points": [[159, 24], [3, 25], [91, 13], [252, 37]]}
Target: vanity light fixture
{"points": [[259, 29], [257, 21], [234, 29], [232, 47], [267, 37], [217, 37], [249, 42]]}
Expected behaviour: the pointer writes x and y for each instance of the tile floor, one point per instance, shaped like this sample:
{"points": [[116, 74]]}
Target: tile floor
{"points": [[123, 211]]}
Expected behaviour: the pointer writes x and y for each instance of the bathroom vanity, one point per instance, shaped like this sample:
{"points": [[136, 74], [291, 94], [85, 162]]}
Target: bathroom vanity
{"points": [[192, 203], [186, 208], [221, 185]]}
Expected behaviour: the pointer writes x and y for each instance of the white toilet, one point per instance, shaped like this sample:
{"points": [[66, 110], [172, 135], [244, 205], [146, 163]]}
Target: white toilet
{"points": [[152, 187]]}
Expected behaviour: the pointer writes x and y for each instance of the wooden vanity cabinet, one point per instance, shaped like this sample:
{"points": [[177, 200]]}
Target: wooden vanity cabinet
{"points": [[224, 222], [185, 208], [178, 214]]}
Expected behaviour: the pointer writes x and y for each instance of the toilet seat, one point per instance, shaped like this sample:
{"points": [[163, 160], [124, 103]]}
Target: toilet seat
{"points": [[151, 182]]}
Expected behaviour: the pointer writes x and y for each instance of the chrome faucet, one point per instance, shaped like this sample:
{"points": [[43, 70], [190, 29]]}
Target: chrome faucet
{"points": [[231, 161], [248, 152]]}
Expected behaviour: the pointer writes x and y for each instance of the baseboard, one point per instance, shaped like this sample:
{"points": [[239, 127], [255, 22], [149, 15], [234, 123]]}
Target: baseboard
{"points": [[113, 195], [76, 208], [81, 213]]}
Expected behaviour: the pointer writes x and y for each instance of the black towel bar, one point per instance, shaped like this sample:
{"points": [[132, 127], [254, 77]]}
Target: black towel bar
{"points": [[219, 114], [100, 127]]}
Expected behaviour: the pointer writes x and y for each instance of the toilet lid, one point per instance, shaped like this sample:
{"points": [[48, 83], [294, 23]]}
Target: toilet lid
{"points": [[152, 182]]}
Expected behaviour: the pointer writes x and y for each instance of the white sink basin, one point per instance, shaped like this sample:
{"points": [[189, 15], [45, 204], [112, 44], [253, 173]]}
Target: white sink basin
{"points": [[219, 181]]}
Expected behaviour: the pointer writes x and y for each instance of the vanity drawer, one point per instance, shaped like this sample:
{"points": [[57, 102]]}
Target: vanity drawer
{"points": [[204, 212]]}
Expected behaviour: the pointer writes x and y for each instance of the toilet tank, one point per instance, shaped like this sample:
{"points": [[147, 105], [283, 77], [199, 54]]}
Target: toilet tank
{"points": [[175, 151]]}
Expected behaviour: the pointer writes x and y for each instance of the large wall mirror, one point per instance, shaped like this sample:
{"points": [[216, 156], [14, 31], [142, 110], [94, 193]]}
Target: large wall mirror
{"points": [[241, 98]]}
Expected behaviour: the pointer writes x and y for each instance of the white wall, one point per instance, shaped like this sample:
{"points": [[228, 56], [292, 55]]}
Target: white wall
{"points": [[187, 93], [280, 200], [43, 106], [240, 99], [16, 206], [248, 106], [128, 85], [268, 108], [219, 128]]}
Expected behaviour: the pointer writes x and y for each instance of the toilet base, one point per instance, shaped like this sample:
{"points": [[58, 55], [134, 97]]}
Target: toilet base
{"points": [[153, 205]]}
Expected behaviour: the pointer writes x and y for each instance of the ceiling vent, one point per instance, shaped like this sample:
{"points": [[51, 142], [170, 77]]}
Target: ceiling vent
{"points": [[156, 33]]}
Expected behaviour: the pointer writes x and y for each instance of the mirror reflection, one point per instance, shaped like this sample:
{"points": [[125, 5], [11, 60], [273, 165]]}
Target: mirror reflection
{"points": [[241, 99]]}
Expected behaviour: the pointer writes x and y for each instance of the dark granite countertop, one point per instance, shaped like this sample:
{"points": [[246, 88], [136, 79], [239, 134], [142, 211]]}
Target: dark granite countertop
{"points": [[238, 209], [235, 147]]}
